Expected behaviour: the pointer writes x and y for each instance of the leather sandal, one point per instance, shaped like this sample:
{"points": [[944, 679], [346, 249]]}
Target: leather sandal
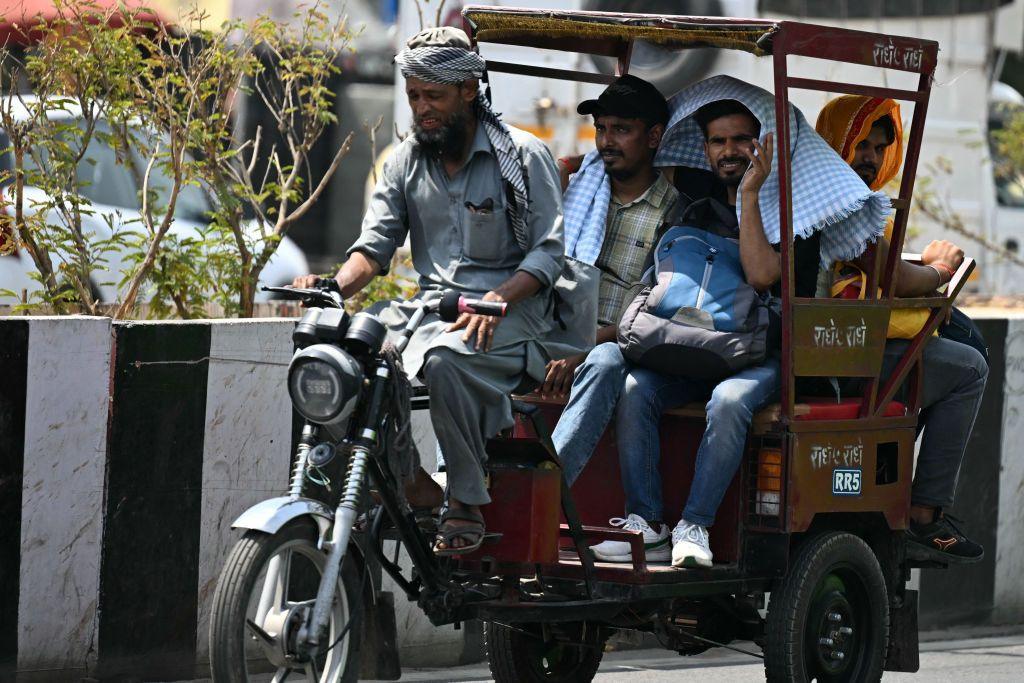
{"points": [[473, 533]]}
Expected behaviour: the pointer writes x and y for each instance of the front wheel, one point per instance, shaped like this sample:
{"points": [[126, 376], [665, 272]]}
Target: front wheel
{"points": [[829, 621], [528, 653], [268, 584]]}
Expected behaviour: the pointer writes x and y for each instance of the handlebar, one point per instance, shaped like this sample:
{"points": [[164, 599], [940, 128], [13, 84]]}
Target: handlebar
{"points": [[323, 294], [449, 307]]}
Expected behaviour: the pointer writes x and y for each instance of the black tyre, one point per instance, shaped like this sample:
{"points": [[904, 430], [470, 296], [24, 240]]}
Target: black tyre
{"points": [[829, 621], [243, 590], [520, 654]]}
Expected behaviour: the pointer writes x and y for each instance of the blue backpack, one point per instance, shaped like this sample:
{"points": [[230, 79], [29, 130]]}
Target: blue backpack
{"points": [[695, 316]]}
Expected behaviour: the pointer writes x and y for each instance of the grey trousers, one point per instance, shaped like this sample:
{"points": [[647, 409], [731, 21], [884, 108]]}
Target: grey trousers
{"points": [[953, 381], [469, 403]]}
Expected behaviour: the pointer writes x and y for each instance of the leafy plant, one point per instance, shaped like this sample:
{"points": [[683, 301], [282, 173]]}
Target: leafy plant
{"points": [[161, 99]]}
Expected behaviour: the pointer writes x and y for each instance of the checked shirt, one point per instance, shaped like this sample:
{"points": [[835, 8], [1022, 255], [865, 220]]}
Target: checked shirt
{"points": [[629, 234]]}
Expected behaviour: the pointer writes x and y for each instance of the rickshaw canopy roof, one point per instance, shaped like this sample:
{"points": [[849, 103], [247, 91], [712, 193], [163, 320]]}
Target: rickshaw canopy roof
{"points": [[612, 33], [609, 33]]}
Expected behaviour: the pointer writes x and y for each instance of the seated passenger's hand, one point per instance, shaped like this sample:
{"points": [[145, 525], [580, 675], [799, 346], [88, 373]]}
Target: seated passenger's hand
{"points": [[944, 254], [559, 376], [760, 156], [480, 326]]}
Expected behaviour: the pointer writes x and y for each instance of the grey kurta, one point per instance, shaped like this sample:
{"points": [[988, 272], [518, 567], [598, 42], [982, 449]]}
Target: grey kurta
{"points": [[456, 247]]}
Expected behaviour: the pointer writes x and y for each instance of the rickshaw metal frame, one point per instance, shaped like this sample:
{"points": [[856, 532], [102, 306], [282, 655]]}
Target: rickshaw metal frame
{"points": [[601, 592]]}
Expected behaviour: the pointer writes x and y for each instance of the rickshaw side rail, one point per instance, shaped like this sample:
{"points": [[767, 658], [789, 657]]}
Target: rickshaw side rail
{"points": [[859, 423], [913, 352], [634, 538], [853, 89], [902, 53], [549, 72]]}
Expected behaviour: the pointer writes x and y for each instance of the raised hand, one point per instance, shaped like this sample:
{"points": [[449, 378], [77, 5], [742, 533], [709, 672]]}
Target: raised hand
{"points": [[760, 165]]}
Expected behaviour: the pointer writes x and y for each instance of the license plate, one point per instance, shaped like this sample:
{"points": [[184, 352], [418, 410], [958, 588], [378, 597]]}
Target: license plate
{"points": [[846, 482]]}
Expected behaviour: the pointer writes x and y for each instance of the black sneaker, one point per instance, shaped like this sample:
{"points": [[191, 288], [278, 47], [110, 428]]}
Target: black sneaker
{"points": [[942, 541]]}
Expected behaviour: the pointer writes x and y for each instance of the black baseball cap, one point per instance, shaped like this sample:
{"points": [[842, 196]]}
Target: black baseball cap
{"points": [[629, 97]]}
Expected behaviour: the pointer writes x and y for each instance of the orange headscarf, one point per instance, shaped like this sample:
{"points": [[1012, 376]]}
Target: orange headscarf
{"points": [[847, 120]]}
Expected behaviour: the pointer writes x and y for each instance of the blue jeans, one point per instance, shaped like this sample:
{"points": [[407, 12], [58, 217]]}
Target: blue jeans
{"points": [[606, 383]]}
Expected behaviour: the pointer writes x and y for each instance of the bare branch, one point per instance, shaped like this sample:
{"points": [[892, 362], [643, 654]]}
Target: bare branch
{"points": [[371, 132], [301, 210]]}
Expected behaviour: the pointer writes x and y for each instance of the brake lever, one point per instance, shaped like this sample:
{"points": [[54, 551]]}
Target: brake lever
{"points": [[310, 297]]}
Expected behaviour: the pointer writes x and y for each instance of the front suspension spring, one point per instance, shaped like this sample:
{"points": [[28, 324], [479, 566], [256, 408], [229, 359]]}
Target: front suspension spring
{"points": [[354, 478], [301, 456]]}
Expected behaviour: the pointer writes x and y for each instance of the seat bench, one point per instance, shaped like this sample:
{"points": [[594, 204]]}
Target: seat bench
{"points": [[806, 409]]}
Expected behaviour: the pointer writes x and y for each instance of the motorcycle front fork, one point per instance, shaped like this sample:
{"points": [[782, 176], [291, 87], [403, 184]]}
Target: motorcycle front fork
{"points": [[348, 509], [344, 518]]}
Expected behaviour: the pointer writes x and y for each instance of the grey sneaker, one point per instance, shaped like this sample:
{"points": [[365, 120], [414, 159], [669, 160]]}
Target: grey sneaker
{"points": [[656, 543], [690, 546]]}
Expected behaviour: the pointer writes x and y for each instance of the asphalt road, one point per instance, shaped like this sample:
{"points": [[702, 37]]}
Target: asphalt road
{"points": [[976, 660], [983, 660]]}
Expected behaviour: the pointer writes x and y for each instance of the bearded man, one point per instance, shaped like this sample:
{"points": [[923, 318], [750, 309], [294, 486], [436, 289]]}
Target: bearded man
{"points": [[467, 191]]}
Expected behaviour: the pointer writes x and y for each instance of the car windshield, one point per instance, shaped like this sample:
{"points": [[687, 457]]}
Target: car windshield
{"points": [[102, 180]]}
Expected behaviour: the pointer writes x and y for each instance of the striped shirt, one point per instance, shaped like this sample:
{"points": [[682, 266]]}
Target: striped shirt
{"points": [[629, 233]]}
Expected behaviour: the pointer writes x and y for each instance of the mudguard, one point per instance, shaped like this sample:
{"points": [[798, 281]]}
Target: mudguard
{"points": [[270, 515]]}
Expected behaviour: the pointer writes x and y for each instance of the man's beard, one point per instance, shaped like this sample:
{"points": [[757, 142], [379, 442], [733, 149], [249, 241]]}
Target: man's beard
{"points": [[867, 173], [734, 179], [448, 139], [618, 173]]}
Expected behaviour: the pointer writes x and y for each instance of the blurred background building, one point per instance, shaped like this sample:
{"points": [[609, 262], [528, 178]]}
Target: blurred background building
{"points": [[977, 87]]}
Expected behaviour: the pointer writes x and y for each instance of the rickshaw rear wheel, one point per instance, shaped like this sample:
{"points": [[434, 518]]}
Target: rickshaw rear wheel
{"points": [[829, 621], [521, 653]]}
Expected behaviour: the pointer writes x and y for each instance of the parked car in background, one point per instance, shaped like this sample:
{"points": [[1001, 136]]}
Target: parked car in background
{"points": [[115, 200]]}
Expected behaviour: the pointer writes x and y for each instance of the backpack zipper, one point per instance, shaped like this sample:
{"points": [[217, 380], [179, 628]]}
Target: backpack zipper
{"points": [[709, 265]]}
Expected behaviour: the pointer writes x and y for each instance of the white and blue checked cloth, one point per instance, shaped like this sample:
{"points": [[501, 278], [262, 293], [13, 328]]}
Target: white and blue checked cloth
{"points": [[828, 196], [585, 209]]}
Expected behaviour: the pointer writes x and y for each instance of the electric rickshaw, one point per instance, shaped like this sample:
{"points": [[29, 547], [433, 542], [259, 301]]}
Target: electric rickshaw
{"points": [[811, 562]]}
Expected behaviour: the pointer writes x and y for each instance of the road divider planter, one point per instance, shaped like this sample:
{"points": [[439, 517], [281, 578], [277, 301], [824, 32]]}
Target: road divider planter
{"points": [[127, 449]]}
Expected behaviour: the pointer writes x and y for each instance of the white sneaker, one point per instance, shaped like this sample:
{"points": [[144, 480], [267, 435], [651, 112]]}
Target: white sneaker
{"points": [[656, 543], [690, 545]]}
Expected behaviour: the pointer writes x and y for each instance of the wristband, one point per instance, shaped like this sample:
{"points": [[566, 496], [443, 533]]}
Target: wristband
{"points": [[943, 266]]}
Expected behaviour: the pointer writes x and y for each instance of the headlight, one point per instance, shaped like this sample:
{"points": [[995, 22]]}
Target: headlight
{"points": [[324, 383]]}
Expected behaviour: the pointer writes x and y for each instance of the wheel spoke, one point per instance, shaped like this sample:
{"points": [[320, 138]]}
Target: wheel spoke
{"points": [[312, 675], [281, 674]]}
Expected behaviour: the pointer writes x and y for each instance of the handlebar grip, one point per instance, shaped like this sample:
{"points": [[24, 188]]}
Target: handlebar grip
{"points": [[453, 304], [496, 309], [328, 283]]}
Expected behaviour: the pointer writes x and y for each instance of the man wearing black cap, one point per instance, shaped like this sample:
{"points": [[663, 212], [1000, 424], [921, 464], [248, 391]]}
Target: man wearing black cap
{"points": [[629, 120]]}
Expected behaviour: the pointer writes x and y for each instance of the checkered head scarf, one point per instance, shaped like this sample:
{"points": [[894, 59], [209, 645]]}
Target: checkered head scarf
{"points": [[444, 55]]}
